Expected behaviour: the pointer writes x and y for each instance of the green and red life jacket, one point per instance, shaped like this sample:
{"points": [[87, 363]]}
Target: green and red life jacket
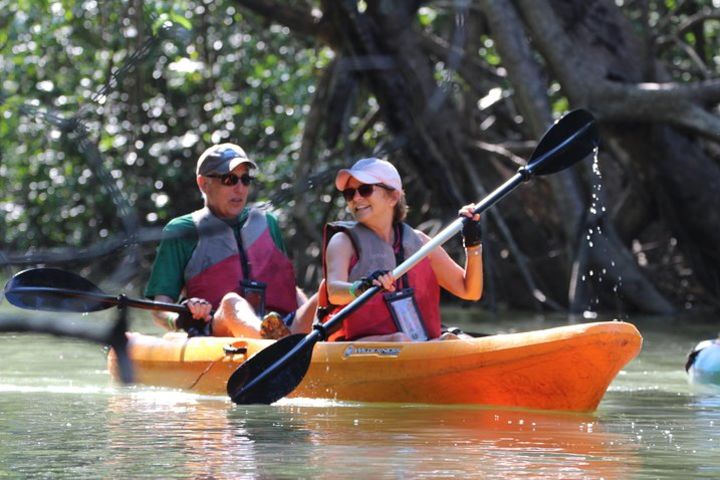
{"points": [[216, 265]]}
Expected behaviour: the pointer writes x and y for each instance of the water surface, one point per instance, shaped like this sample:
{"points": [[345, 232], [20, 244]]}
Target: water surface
{"points": [[61, 417]]}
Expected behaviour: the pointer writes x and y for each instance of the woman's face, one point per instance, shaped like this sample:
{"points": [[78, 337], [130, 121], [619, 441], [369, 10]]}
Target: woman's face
{"points": [[379, 205]]}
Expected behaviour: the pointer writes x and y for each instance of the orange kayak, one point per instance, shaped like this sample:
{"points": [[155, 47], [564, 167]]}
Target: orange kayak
{"points": [[562, 368]]}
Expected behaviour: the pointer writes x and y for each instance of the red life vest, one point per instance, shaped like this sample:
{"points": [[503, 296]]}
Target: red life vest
{"points": [[215, 267], [374, 317]]}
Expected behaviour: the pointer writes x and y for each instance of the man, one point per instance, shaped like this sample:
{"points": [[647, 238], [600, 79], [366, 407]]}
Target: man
{"points": [[228, 258]]}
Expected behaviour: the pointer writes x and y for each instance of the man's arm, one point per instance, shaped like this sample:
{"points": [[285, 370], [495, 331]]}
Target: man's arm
{"points": [[166, 280], [165, 319]]}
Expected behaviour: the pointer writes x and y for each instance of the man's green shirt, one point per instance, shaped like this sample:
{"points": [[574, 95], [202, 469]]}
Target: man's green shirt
{"points": [[180, 237]]}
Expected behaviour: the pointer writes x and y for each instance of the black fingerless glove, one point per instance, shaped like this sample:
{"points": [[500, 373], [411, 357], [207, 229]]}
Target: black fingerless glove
{"points": [[185, 320], [471, 233], [366, 282]]}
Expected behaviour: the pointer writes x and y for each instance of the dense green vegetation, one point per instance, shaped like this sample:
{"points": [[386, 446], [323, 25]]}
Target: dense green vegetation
{"points": [[105, 107], [233, 80]]}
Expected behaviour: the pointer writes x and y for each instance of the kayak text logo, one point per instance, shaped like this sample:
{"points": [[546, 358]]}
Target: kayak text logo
{"points": [[352, 350]]}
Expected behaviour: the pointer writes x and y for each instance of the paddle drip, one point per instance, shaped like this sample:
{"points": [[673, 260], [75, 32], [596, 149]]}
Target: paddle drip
{"points": [[588, 278]]}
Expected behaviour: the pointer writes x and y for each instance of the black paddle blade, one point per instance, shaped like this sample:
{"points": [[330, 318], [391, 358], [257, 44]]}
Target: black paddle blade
{"points": [[571, 139], [53, 290], [244, 386]]}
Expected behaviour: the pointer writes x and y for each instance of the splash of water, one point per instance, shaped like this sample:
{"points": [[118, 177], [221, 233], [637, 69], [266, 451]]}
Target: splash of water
{"points": [[596, 211]]}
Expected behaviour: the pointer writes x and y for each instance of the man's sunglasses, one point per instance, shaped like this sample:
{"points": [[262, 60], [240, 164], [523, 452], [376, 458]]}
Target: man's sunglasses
{"points": [[230, 179], [364, 190]]}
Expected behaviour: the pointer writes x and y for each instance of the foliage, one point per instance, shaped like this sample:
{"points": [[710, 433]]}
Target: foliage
{"points": [[106, 106], [232, 80]]}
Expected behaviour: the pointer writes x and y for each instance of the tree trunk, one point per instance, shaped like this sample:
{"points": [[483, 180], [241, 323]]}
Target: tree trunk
{"points": [[571, 235]]}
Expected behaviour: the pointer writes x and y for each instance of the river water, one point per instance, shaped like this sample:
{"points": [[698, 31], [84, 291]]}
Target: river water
{"points": [[61, 417]]}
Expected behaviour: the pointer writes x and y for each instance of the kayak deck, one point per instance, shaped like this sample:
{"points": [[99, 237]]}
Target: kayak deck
{"points": [[562, 368]]}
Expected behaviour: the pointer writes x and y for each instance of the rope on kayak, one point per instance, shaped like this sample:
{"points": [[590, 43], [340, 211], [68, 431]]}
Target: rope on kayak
{"points": [[227, 350], [203, 373]]}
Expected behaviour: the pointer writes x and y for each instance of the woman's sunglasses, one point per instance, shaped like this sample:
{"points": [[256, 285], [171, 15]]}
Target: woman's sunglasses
{"points": [[230, 179], [364, 190]]}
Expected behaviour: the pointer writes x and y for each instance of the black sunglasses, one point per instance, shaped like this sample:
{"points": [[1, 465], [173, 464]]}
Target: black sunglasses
{"points": [[364, 190], [230, 179]]}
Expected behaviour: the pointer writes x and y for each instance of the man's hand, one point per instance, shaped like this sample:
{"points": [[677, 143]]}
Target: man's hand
{"points": [[199, 308]]}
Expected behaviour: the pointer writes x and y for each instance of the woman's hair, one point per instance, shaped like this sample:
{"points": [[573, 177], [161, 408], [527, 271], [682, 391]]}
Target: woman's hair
{"points": [[401, 209]]}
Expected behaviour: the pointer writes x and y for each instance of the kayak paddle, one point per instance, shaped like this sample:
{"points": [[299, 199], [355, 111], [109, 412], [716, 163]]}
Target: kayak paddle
{"points": [[277, 370], [56, 290]]}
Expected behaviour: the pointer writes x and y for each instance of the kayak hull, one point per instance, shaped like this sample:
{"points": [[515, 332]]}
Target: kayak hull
{"points": [[564, 368]]}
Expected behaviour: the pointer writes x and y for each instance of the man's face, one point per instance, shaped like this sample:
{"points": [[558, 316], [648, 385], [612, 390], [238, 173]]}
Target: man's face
{"points": [[225, 201]]}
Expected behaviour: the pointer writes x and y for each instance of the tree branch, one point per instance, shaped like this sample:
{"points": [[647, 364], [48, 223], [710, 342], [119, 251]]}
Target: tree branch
{"points": [[531, 94], [700, 17], [586, 81], [689, 51], [502, 150], [676, 104], [526, 77], [297, 19], [470, 68], [707, 91]]}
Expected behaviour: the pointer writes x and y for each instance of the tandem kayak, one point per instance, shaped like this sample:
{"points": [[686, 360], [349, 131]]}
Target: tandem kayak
{"points": [[563, 368]]}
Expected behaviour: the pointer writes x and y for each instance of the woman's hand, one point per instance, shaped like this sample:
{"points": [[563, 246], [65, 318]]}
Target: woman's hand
{"points": [[379, 278], [467, 211], [471, 231], [386, 281]]}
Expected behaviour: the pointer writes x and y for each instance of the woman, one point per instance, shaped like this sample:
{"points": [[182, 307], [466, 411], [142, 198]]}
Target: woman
{"points": [[360, 254]]}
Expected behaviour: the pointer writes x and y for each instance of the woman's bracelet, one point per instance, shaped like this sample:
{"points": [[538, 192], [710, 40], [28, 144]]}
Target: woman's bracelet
{"points": [[171, 322], [474, 251], [351, 290]]}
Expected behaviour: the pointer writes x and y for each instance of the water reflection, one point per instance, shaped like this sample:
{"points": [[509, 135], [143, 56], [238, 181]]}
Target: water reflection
{"points": [[706, 423], [177, 434], [676, 432], [316, 439], [61, 417]]}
